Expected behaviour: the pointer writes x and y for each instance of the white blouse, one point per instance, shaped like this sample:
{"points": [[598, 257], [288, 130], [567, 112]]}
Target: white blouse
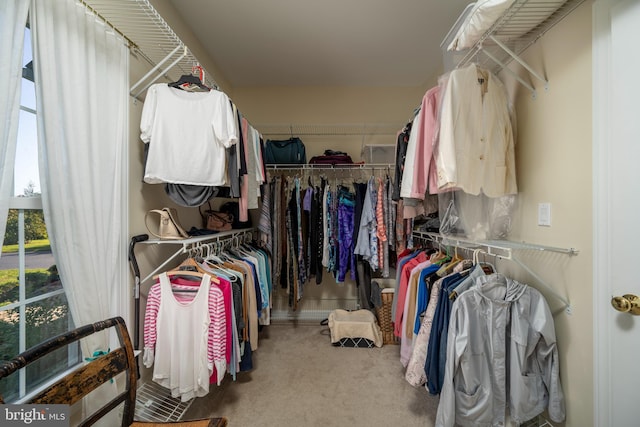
{"points": [[187, 133]]}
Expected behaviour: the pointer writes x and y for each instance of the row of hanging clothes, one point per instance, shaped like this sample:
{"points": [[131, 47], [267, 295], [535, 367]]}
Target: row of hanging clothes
{"points": [[455, 159], [336, 222], [199, 145], [202, 318], [482, 341]]}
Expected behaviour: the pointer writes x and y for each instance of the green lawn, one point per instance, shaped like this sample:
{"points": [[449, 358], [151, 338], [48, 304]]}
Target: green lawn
{"points": [[8, 275], [9, 278], [32, 246]]}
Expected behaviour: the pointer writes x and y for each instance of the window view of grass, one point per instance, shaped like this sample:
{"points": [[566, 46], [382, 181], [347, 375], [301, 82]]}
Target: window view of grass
{"points": [[43, 318]]}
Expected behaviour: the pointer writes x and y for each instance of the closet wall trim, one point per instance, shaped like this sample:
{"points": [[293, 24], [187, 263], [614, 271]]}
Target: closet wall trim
{"points": [[504, 249]]}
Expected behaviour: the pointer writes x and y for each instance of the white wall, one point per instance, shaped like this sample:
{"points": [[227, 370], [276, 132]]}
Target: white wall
{"points": [[553, 156]]}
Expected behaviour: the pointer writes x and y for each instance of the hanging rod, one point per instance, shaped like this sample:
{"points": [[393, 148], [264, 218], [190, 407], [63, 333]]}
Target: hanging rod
{"points": [[498, 247], [504, 250], [306, 166], [190, 243], [330, 129]]}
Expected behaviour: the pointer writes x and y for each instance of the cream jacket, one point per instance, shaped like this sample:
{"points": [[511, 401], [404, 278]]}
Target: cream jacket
{"points": [[475, 151], [501, 355]]}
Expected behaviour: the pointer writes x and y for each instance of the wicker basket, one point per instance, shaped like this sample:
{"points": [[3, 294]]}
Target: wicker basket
{"points": [[383, 314]]}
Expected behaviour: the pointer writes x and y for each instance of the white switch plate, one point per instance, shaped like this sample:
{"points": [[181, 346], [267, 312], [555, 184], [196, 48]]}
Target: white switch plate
{"points": [[544, 214]]}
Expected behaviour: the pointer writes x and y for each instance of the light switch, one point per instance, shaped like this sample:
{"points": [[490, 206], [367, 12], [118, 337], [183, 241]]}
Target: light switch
{"points": [[544, 214]]}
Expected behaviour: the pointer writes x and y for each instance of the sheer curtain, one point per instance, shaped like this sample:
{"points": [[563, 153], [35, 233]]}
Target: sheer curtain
{"points": [[13, 18], [81, 72]]}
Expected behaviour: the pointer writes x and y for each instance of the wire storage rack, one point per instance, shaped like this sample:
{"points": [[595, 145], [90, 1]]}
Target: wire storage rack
{"points": [[520, 26], [154, 403]]}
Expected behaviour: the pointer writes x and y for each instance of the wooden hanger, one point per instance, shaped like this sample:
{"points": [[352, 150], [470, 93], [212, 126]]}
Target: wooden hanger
{"points": [[189, 268]]}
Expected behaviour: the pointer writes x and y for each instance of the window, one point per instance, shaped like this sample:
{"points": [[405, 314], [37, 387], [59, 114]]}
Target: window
{"points": [[33, 306]]}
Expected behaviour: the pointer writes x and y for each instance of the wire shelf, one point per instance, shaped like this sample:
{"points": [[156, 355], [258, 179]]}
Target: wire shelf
{"points": [[518, 28], [154, 403], [149, 37], [333, 129]]}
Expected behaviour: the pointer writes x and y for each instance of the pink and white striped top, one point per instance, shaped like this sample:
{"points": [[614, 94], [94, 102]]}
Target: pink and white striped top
{"points": [[217, 336]]}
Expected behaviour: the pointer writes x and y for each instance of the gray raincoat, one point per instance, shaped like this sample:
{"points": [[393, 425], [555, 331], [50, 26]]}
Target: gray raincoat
{"points": [[502, 357]]}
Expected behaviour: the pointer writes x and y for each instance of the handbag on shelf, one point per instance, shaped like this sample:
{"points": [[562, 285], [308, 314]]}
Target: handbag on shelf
{"points": [[216, 220], [168, 227], [233, 208]]}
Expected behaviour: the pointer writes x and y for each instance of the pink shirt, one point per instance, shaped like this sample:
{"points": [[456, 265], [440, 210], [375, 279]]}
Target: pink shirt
{"points": [[402, 290]]}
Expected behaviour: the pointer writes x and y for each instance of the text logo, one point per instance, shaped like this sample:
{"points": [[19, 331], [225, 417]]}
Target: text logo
{"points": [[34, 415]]}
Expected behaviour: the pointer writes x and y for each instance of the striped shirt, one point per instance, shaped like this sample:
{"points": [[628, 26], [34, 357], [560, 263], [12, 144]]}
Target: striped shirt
{"points": [[216, 351]]}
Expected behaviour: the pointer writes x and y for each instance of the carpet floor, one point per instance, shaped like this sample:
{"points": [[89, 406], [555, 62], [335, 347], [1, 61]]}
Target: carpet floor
{"points": [[300, 379]]}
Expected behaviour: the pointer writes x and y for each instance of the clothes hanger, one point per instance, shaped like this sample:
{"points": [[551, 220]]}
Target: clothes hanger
{"points": [[448, 266], [190, 83], [487, 267], [190, 269]]}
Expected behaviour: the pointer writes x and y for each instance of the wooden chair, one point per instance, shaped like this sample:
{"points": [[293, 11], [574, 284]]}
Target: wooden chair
{"points": [[90, 376]]}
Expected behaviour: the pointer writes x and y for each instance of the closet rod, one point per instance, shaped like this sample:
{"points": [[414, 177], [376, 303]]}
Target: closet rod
{"points": [[504, 246], [376, 166], [504, 250], [189, 244]]}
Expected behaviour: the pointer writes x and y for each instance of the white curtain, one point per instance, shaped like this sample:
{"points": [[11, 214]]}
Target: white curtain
{"points": [[81, 73], [82, 83], [13, 19]]}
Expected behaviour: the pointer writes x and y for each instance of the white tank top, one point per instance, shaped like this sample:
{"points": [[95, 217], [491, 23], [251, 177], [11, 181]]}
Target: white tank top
{"points": [[181, 346]]}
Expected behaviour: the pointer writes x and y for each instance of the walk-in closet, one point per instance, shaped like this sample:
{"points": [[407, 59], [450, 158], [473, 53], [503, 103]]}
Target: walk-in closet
{"points": [[411, 213]]}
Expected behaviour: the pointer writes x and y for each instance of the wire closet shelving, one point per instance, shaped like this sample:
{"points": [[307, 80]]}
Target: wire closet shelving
{"points": [[504, 249], [520, 26], [149, 37]]}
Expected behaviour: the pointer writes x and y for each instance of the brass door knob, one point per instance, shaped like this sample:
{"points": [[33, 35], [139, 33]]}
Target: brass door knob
{"points": [[627, 304]]}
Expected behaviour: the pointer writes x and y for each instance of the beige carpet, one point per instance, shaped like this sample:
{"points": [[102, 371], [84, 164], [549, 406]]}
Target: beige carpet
{"points": [[299, 379]]}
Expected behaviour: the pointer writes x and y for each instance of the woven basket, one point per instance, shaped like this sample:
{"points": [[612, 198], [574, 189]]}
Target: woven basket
{"points": [[383, 314]]}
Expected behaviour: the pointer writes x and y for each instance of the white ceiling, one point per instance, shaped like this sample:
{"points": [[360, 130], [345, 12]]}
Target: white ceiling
{"points": [[323, 42]]}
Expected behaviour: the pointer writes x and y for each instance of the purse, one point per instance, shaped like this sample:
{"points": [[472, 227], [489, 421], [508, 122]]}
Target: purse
{"points": [[168, 226], [233, 208], [215, 220]]}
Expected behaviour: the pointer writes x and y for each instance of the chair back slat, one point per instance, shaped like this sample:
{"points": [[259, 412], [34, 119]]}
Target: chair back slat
{"points": [[82, 381]]}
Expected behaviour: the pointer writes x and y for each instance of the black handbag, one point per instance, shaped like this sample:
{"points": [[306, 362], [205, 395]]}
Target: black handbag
{"points": [[233, 209]]}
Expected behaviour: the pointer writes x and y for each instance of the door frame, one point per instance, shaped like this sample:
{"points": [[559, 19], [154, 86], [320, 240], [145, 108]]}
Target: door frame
{"points": [[603, 219]]}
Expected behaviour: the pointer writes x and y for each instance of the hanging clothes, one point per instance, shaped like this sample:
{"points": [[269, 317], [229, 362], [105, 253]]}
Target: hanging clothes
{"points": [[501, 351], [345, 237], [476, 147], [402, 141], [183, 362], [325, 226], [367, 242]]}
